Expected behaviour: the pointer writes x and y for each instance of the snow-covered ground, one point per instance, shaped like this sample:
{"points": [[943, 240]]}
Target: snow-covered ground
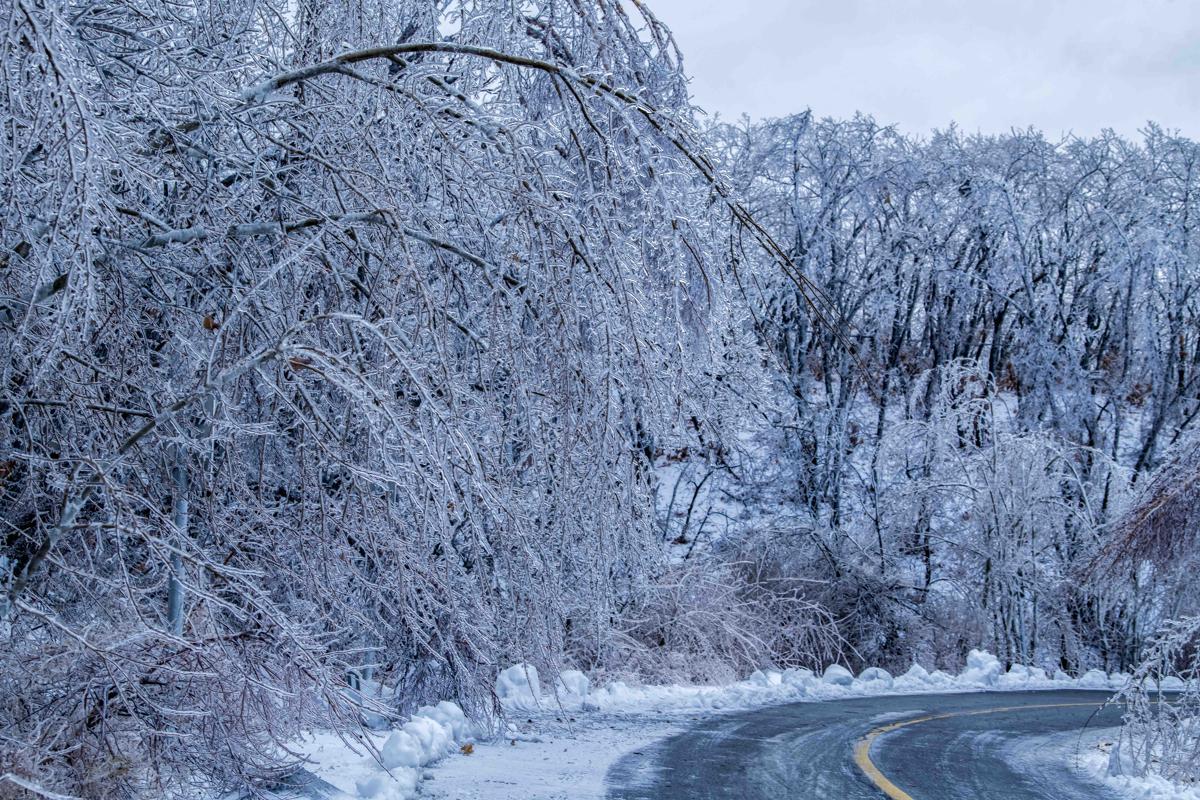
{"points": [[1088, 753], [562, 735], [565, 760], [1095, 759]]}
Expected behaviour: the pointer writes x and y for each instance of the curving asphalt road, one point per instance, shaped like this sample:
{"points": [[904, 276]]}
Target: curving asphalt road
{"points": [[805, 751]]}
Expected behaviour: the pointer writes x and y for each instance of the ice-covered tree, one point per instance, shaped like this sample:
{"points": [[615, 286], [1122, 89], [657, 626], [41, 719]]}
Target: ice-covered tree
{"points": [[337, 337]]}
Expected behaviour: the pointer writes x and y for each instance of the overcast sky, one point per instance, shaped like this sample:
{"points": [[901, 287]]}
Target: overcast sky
{"points": [[989, 65]]}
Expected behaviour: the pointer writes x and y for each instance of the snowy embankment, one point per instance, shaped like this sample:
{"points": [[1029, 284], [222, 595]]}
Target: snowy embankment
{"points": [[1093, 754], [626, 716], [1089, 753], [1097, 762]]}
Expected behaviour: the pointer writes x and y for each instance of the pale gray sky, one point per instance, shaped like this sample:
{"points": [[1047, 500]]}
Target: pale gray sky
{"points": [[989, 65]]}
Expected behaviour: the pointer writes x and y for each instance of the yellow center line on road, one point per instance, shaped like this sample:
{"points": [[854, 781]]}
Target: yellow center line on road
{"points": [[862, 750]]}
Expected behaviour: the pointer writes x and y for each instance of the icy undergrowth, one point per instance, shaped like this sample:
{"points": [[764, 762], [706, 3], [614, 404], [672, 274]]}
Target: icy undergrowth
{"points": [[435, 732]]}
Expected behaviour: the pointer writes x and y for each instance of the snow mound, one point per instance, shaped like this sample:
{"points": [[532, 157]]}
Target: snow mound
{"points": [[836, 675], [400, 785], [449, 716], [431, 734], [1020, 676], [768, 678], [572, 684], [400, 751], [518, 687], [940, 678], [983, 672], [876, 678], [983, 669], [798, 677]]}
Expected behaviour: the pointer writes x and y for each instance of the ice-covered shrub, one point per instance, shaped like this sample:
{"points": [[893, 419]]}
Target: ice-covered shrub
{"points": [[712, 620], [1161, 730], [1155, 540]]}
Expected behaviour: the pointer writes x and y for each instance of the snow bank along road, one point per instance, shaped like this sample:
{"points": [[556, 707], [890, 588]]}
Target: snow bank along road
{"points": [[917, 747]]}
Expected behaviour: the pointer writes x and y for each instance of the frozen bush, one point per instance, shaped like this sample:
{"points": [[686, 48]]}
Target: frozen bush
{"points": [[709, 620], [1161, 731]]}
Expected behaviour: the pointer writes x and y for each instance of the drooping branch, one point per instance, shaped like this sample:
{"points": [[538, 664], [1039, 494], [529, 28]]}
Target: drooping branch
{"points": [[818, 302]]}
